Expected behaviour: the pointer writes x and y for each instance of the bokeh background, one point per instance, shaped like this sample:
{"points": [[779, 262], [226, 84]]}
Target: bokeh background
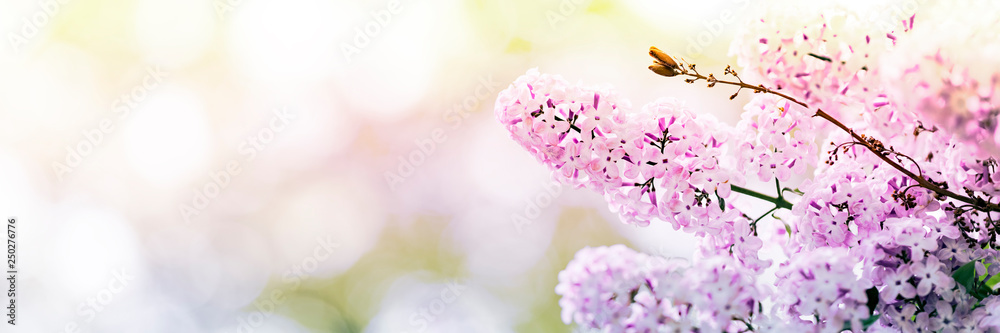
{"points": [[313, 165]]}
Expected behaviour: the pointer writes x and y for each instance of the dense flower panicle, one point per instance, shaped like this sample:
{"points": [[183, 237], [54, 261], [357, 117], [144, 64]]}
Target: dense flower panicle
{"points": [[778, 139], [982, 176], [946, 312], [596, 286], [541, 112], [716, 291], [989, 314], [825, 286], [679, 155], [958, 165], [912, 261], [933, 154], [660, 163], [616, 289], [847, 201], [935, 75]]}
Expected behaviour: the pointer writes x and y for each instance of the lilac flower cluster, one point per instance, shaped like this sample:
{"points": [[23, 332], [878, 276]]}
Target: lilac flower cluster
{"points": [[616, 289], [650, 164], [660, 163], [897, 231], [779, 139], [825, 286]]}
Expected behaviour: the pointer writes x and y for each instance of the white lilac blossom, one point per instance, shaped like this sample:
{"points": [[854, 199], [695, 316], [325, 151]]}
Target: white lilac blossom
{"points": [[897, 231]]}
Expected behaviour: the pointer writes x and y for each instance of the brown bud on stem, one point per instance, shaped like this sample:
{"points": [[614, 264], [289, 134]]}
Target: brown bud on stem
{"points": [[662, 57], [659, 68]]}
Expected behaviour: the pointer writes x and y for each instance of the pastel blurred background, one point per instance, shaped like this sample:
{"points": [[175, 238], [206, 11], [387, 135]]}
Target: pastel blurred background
{"points": [[312, 165]]}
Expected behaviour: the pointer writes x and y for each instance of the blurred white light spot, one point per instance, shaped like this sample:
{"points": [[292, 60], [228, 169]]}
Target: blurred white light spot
{"points": [[394, 71], [21, 193], [89, 249], [50, 96], [319, 129], [168, 137], [151, 312], [174, 33], [666, 15], [278, 43]]}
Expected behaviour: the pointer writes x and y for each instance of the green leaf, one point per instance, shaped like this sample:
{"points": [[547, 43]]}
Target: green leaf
{"points": [[722, 202], [868, 322], [872, 294], [865, 323], [966, 276], [982, 291]]}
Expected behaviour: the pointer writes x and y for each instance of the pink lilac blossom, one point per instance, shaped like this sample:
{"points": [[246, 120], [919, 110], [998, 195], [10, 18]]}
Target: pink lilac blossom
{"points": [[825, 286], [931, 276], [848, 201], [596, 286], [942, 158], [549, 136], [778, 139], [661, 163], [684, 170], [865, 244]]}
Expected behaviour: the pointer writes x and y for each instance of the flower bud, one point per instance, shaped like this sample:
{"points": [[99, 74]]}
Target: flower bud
{"points": [[661, 69], [662, 57]]}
